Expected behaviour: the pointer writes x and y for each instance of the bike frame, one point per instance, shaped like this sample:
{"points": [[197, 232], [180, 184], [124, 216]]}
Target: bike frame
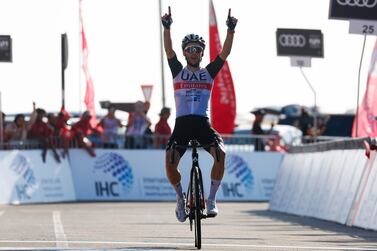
{"points": [[195, 191]]}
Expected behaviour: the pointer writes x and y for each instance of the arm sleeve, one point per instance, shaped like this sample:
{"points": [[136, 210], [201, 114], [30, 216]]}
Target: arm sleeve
{"points": [[175, 66], [215, 66]]}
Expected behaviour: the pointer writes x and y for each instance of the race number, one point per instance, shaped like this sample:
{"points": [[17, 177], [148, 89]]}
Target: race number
{"points": [[363, 27]]}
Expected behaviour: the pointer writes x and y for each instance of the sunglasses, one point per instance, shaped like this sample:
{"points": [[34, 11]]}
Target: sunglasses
{"points": [[194, 49]]}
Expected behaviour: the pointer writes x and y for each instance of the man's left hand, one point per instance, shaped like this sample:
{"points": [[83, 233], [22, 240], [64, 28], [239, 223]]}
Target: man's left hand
{"points": [[231, 22]]}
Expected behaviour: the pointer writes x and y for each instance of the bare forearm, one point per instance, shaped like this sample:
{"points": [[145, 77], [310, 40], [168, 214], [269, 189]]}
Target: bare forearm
{"points": [[168, 44], [227, 47]]}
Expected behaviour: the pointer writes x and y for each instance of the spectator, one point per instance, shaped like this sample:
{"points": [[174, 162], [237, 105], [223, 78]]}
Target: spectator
{"points": [[138, 123], [148, 135], [41, 132], [305, 122], [61, 130], [257, 129], [81, 130], [18, 130], [110, 125], [162, 130]]}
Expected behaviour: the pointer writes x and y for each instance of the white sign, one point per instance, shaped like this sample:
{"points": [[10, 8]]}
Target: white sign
{"points": [[24, 178], [141, 175], [301, 61], [363, 27]]}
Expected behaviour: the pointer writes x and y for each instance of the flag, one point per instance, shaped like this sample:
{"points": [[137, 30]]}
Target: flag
{"points": [[223, 100], [89, 92], [367, 123]]}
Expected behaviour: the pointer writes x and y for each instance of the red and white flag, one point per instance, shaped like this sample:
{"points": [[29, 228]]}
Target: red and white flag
{"points": [[223, 100], [89, 92], [367, 123]]}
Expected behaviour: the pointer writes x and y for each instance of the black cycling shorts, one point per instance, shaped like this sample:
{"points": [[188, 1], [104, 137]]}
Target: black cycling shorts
{"points": [[193, 127]]}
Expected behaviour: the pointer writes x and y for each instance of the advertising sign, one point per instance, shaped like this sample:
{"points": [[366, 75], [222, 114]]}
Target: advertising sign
{"points": [[353, 9], [140, 175], [24, 178], [299, 42]]}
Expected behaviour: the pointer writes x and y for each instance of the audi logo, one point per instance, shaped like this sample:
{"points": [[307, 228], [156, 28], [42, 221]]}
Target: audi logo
{"points": [[292, 40], [358, 3]]}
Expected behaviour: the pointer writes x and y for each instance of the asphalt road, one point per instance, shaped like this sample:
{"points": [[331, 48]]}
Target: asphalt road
{"points": [[152, 226]]}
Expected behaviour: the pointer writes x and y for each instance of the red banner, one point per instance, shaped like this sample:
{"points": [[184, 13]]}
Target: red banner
{"points": [[223, 100], [89, 92], [367, 123]]}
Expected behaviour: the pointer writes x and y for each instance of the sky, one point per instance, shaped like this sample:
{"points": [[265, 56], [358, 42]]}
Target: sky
{"points": [[124, 53]]}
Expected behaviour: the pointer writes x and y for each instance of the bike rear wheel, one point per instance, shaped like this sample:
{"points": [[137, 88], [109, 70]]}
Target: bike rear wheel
{"points": [[197, 193]]}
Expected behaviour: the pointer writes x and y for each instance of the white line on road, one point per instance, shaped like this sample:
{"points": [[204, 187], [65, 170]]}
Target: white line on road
{"points": [[220, 245], [61, 238]]}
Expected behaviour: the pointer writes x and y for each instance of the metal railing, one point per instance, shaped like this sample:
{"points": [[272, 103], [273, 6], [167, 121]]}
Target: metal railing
{"points": [[234, 142]]}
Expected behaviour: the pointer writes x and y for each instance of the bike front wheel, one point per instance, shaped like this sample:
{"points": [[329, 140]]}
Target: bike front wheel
{"points": [[197, 193]]}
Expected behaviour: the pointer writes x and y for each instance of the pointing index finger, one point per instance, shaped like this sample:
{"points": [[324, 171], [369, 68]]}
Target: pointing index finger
{"points": [[169, 11], [229, 12]]}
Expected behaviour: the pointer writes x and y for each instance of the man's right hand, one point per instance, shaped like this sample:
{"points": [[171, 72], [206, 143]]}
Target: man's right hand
{"points": [[167, 20]]}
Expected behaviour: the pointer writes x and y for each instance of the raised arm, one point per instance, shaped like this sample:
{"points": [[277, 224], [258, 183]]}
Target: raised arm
{"points": [[231, 22], [168, 45]]}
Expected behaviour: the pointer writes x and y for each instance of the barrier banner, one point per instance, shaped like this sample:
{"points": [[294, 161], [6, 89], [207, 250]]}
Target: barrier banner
{"points": [[140, 175], [310, 184], [248, 176], [281, 182], [24, 178], [365, 204]]}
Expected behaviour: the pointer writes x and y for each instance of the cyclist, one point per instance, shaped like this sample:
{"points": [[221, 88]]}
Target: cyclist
{"points": [[192, 90]]}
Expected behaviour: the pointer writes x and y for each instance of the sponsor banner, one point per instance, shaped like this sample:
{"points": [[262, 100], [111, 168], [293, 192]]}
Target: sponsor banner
{"points": [[299, 42], [140, 175], [24, 178], [249, 176], [120, 175], [353, 9]]}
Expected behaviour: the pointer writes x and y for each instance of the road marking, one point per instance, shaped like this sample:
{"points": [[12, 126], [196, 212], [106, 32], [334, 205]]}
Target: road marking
{"points": [[220, 245], [61, 238], [1, 213]]}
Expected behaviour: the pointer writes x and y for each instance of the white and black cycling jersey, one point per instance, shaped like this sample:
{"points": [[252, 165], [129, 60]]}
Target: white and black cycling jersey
{"points": [[192, 90]]}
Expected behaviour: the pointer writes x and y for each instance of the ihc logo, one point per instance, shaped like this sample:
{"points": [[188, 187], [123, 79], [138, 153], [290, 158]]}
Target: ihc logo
{"points": [[118, 167], [358, 3], [292, 40], [22, 168], [238, 167]]}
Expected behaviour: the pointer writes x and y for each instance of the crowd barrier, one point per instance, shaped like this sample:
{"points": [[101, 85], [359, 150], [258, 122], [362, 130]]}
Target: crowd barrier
{"points": [[332, 181], [127, 175]]}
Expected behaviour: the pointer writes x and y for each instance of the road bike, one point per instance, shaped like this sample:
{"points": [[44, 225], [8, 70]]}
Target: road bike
{"points": [[195, 203]]}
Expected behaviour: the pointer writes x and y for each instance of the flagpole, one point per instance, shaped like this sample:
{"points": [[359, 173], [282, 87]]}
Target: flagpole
{"points": [[358, 90], [161, 54], [315, 106]]}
